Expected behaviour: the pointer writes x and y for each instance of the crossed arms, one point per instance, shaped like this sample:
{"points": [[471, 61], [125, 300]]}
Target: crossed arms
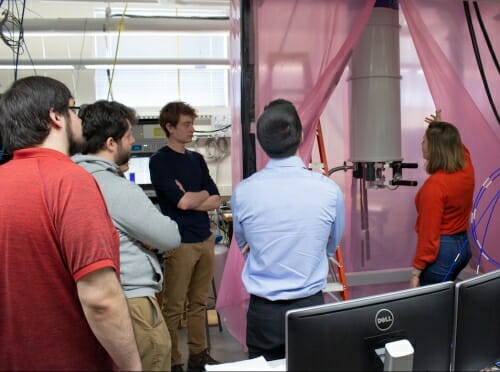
{"points": [[198, 201]]}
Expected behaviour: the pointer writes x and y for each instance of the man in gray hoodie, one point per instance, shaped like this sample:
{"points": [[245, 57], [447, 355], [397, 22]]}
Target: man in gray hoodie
{"points": [[143, 229]]}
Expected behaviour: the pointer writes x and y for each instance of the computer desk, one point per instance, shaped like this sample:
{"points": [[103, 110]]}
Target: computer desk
{"points": [[256, 364]]}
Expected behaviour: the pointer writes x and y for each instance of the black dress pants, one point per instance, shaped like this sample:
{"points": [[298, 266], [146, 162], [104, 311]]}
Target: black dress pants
{"points": [[266, 324]]}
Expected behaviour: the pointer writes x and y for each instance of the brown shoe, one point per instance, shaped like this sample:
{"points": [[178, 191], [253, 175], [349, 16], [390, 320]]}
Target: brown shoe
{"points": [[198, 361]]}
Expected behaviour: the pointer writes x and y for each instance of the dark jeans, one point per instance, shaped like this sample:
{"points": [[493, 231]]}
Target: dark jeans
{"points": [[454, 254], [266, 324]]}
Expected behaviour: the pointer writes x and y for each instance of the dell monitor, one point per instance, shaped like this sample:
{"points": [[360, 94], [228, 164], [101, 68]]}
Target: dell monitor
{"points": [[477, 323], [347, 335]]}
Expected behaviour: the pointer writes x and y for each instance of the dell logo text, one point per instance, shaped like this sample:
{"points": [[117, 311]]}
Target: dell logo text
{"points": [[384, 319]]}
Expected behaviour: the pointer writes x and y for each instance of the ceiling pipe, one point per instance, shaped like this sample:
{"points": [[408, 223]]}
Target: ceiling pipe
{"points": [[89, 62], [137, 25]]}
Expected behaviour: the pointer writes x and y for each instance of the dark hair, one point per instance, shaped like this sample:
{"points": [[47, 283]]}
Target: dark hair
{"points": [[279, 129], [444, 148], [104, 119], [171, 113], [25, 109]]}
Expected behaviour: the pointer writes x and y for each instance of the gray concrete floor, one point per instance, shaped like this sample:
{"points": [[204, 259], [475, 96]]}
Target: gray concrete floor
{"points": [[224, 348]]}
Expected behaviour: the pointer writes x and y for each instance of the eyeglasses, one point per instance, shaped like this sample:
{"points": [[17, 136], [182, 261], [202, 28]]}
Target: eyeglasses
{"points": [[75, 109], [78, 110]]}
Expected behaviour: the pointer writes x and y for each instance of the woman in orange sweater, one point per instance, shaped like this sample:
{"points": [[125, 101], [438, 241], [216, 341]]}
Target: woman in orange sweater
{"points": [[444, 204]]}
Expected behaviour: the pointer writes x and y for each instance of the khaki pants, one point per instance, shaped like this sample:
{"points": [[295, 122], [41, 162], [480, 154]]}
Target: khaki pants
{"points": [[188, 275], [151, 333]]}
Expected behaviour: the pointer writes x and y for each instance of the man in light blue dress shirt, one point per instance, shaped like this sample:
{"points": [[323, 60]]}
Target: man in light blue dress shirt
{"points": [[287, 220]]}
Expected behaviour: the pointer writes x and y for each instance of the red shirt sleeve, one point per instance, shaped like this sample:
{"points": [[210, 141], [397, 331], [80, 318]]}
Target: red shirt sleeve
{"points": [[93, 267]]}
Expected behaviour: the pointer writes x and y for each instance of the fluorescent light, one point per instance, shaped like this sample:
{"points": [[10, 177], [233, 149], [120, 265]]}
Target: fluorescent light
{"points": [[123, 64], [155, 67], [124, 32], [108, 1], [37, 67]]}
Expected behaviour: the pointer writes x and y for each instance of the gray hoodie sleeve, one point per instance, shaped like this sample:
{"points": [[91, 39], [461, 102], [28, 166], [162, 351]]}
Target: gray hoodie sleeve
{"points": [[135, 215]]}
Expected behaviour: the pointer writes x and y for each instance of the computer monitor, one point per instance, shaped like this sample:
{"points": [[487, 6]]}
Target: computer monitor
{"points": [[344, 335], [138, 170], [477, 323]]}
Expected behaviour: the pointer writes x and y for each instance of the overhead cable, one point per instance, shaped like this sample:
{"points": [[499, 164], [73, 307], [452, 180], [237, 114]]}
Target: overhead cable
{"points": [[478, 59]]}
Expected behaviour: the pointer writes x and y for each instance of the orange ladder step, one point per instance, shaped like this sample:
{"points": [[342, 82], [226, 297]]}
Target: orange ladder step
{"points": [[337, 275]]}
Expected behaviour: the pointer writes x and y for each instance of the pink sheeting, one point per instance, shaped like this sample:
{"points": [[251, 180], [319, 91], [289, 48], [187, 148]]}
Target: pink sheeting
{"points": [[436, 55], [299, 60], [450, 68], [301, 50], [232, 298]]}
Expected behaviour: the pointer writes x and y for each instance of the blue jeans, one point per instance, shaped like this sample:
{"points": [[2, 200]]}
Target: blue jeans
{"points": [[454, 254]]}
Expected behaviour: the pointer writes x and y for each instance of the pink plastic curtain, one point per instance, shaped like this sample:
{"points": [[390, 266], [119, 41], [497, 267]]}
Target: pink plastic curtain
{"points": [[300, 60], [434, 40], [436, 56], [442, 40]]}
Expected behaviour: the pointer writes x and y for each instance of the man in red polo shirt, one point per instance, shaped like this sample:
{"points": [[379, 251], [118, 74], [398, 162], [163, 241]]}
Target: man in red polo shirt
{"points": [[62, 306]]}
